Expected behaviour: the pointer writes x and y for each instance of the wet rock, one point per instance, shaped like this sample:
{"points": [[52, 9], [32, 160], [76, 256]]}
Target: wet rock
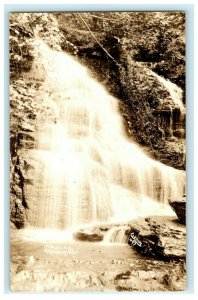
{"points": [[28, 106], [26, 140], [90, 235], [17, 212], [27, 127], [109, 233], [159, 237], [179, 207]]}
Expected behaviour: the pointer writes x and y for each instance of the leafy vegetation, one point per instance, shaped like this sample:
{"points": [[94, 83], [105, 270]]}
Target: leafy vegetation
{"points": [[157, 39]]}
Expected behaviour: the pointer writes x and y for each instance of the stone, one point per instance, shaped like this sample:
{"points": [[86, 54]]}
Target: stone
{"points": [[179, 207], [159, 237], [27, 279], [90, 235], [110, 233], [17, 212]]}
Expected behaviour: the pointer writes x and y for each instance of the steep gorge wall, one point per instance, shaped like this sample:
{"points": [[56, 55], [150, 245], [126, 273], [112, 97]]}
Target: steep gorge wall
{"points": [[29, 105], [148, 119]]}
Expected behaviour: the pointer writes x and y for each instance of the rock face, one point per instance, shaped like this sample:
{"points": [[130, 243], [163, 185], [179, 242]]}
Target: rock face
{"points": [[179, 207], [159, 237], [152, 114], [28, 104]]}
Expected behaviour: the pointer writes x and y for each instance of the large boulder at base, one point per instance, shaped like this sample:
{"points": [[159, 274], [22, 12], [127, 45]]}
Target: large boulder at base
{"points": [[89, 235], [159, 237], [179, 207], [110, 233]]}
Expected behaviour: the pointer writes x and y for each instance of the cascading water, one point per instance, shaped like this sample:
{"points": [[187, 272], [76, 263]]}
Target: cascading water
{"points": [[88, 171], [176, 92], [176, 95], [118, 235]]}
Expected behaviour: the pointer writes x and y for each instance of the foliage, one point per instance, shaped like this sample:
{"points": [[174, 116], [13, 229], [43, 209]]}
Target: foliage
{"points": [[24, 29], [155, 38], [21, 44]]}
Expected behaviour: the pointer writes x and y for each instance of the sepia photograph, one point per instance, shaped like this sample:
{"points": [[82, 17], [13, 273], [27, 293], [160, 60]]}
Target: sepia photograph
{"points": [[97, 151]]}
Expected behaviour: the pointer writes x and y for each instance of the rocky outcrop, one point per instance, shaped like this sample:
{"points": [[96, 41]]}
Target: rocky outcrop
{"points": [[152, 116], [159, 237], [179, 207], [28, 105], [160, 279]]}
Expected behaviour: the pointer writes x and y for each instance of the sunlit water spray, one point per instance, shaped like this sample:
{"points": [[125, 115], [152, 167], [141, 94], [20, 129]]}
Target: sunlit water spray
{"points": [[88, 171]]}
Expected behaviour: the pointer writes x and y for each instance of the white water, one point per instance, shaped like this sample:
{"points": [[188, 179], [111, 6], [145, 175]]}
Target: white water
{"points": [[176, 95], [87, 170], [175, 92], [117, 235]]}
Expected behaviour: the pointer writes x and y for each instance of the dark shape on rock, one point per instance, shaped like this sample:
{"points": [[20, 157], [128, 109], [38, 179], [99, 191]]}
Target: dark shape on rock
{"points": [[179, 207], [159, 237]]}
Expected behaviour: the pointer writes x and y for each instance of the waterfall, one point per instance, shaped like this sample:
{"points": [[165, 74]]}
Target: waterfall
{"points": [[118, 235], [175, 92], [176, 95], [86, 168]]}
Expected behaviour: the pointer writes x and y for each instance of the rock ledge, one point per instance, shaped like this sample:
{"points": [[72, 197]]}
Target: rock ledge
{"points": [[159, 237]]}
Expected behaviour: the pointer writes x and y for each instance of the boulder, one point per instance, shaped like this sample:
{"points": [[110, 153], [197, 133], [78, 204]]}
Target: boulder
{"points": [[159, 237], [109, 233], [89, 235], [179, 207]]}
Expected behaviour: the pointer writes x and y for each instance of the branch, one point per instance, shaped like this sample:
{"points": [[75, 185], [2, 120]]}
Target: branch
{"points": [[108, 54], [108, 19]]}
